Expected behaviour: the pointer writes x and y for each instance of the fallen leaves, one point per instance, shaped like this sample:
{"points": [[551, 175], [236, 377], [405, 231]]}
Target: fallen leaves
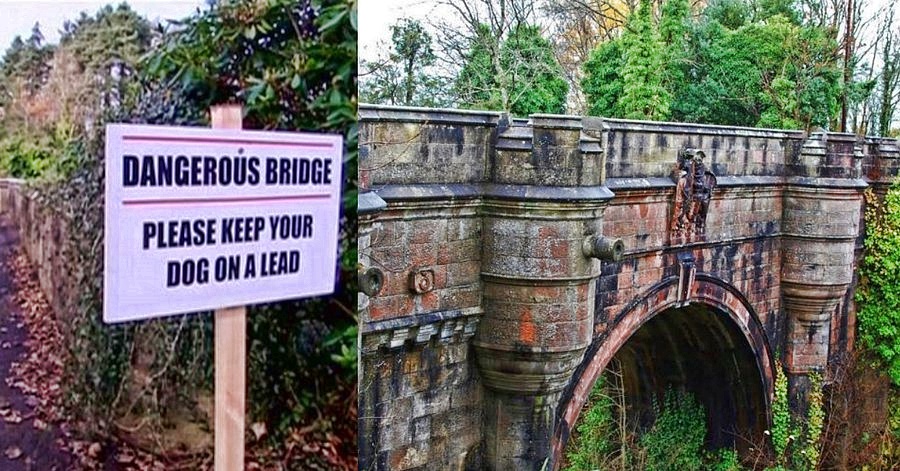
{"points": [[329, 443], [94, 450], [258, 429], [39, 374], [11, 416], [13, 452]]}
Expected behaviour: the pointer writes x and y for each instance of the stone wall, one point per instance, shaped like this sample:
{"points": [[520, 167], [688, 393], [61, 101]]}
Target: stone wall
{"points": [[420, 395], [43, 231], [502, 296]]}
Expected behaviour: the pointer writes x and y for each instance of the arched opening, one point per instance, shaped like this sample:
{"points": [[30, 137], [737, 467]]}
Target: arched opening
{"points": [[699, 350], [713, 346]]}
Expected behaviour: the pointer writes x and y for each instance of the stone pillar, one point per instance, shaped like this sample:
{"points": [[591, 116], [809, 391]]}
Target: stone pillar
{"points": [[371, 280], [538, 284], [822, 210]]}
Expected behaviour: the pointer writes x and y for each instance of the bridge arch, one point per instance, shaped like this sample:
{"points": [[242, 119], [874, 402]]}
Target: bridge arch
{"points": [[720, 298]]}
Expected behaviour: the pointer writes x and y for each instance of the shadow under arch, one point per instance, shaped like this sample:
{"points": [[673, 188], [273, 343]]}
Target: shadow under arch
{"points": [[707, 291]]}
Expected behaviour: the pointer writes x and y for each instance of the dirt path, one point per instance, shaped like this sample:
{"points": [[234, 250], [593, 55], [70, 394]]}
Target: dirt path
{"points": [[24, 443]]}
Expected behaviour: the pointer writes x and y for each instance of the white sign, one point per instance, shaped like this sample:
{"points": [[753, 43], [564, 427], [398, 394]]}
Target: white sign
{"points": [[199, 219]]}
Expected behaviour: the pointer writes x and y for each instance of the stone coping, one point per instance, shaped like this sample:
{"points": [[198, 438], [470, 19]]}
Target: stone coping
{"points": [[369, 202], [409, 114], [611, 124], [407, 321], [491, 190]]}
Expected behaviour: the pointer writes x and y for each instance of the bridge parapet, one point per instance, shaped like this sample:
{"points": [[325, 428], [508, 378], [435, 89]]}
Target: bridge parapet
{"points": [[881, 162], [491, 313], [647, 149]]}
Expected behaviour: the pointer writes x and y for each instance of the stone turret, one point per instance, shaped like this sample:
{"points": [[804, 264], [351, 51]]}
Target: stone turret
{"points": [[538, 282], [822, 210]]}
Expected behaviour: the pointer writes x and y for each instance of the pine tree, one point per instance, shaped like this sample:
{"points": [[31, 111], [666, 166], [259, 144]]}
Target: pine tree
{"points": [[403, 77], [673, 30], [524, 78], [644, 96]]}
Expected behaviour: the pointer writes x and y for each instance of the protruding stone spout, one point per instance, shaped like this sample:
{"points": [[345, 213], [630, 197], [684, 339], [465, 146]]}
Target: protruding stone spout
{"points": [[371, 281], [603, 248]]}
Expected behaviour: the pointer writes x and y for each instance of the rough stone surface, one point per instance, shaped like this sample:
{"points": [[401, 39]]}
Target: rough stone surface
{"points": [[490, 368], [43, 231]]}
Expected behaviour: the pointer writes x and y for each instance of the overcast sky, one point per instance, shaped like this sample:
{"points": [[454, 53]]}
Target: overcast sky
{"points": [[18, 16], [376, 17]]}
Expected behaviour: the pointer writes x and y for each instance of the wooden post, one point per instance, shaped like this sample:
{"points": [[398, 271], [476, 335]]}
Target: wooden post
{"points": [[231, 353]]}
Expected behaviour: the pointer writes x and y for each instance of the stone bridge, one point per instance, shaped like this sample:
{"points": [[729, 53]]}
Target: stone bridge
{"points": [[505, 263]]}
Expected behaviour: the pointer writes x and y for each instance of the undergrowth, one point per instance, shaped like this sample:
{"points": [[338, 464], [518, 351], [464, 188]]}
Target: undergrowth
{"points": [[604, 439]]}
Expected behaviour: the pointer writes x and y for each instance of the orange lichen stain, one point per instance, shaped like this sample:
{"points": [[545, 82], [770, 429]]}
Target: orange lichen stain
{"points": [[526, 329]]}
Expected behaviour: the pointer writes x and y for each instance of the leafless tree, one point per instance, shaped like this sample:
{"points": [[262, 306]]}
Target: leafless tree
{"points": [[888, 89], [579, 26], [485, 24]]}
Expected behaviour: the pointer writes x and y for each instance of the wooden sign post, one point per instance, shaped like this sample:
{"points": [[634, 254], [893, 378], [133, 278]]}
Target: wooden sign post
{"points": [[230, 352], [201, 219]]}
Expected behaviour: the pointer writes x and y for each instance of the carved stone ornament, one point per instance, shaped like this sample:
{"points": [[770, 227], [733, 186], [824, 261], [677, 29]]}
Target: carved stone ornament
{"points": [[421, 281], [693, 190]]}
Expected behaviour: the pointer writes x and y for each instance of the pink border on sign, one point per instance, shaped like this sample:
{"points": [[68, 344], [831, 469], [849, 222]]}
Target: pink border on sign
{"points": [[216, 140], [245, 199], [224, 140]]}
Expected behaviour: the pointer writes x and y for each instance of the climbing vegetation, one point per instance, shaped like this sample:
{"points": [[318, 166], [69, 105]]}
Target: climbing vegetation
{"points": [[797, 438], [604, 439], [878, 294]]}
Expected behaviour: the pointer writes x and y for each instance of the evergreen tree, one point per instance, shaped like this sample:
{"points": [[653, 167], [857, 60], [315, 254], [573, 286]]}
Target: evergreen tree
{"points": [[765, 9], [673, 29], [475, 82], [27, 61], [537, 84], [731, 14], [769, 73], [108, 48], [644, 96], [602, 82], [522, 78]]}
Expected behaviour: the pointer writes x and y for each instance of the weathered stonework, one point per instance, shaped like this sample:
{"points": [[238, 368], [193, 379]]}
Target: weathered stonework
{"points": [[43, 232], [694, 185], [506, 291]]}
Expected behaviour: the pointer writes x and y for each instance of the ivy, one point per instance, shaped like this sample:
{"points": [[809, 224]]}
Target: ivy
{"points": [[797, 438], [676, 439], [878, 292], [781, 414]]}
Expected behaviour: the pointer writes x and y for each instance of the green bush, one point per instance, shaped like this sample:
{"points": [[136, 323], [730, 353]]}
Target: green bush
{"points": [[594, 444], [22, 157], [675, 441]]}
